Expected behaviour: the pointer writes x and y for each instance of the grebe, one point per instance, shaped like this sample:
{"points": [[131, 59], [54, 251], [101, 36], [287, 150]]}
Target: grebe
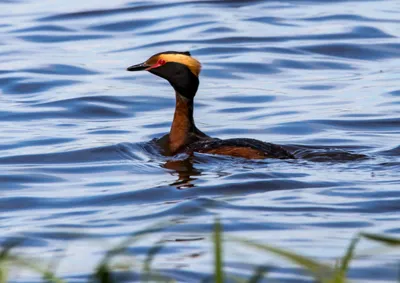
{"points": [[182, 71]]}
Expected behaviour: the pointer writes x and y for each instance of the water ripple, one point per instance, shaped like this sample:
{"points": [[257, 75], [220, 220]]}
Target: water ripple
{"points": [[78, 162]]}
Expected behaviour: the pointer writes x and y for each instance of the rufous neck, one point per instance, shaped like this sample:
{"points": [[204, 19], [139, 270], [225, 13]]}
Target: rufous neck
{"points": [[183, 123]]}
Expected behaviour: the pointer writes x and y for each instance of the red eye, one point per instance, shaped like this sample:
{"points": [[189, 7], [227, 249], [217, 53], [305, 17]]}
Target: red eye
{"points": [[160, 62]]}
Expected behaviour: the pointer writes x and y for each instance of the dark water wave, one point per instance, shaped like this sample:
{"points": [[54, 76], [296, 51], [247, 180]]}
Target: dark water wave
{"points": [[77, 161]]}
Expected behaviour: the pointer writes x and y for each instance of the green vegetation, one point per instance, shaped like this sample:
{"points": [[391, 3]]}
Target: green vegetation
{"points": [[321, 272]]}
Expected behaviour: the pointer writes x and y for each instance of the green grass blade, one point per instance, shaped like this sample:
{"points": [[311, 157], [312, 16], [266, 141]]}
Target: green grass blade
{"points": [[323, 273], [46, 274], [391, 241], [147, 264], [232, 278], [3, 259], [3, 271], [259, 274], [218, 264], [207, 279], [7, 258], [103, 274], [7, 246], [342, 268], [121, 247], [150, 256]]}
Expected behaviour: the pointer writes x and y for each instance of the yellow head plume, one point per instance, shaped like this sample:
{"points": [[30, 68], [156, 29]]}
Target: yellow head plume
{"points": [[178, 57]]}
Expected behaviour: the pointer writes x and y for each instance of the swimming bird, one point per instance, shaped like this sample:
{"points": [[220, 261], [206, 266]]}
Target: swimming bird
{"points": [[182, 71]]}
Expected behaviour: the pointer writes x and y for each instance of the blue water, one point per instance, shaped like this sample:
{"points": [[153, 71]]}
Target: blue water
{"points": [[78, 173]]}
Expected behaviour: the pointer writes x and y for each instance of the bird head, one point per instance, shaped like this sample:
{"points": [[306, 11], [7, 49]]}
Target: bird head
{"points": [[180, 69]]}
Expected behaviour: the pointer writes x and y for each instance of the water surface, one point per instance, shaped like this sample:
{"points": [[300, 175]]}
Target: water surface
{"points": [[78, 173]]}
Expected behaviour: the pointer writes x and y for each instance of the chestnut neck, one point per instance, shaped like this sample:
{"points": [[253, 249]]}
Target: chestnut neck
{"points": [[183, 123]]}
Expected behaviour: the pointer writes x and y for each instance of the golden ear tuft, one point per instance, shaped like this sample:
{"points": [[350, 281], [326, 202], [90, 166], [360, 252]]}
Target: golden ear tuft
{"points": [[182, 58]]}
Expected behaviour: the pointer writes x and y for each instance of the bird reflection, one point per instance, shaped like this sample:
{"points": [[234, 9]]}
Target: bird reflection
{"points": [[185, 171]]}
